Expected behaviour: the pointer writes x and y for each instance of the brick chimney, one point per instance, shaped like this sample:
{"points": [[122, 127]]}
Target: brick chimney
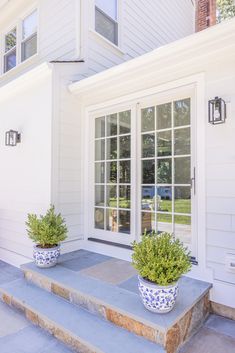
{"points": [[205, 14]]}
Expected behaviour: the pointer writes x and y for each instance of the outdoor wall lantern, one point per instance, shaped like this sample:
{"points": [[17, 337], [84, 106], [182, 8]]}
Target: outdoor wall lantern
{"points": [[12, 137], [217, 111]]}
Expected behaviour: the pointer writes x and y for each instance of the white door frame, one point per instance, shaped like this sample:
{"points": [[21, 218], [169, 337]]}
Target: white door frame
{"points": [[197, 83]]}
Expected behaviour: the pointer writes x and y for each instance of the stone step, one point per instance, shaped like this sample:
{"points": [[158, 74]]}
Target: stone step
{"points": [[81, 330], [123, 307]]}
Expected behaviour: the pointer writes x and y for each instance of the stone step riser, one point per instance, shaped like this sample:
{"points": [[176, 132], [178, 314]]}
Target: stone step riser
{"points": [[54, 329], [95, 307], [171, 339]]}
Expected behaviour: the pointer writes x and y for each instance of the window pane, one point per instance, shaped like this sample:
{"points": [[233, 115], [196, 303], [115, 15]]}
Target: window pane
{"points": [[111, 220], [99, 172], [125, 172], [182, 199], [10, 40], [100, 127], [164, 171], [10, 60], [125, 147], [111, 148], [182, 112], [29, 47], [111, 170], [164, 143], [29, 26], [148, 145], [109, 7], [148, 198], [99, 195], [148, 171], [99, 218], [124, 222], [164, 223], [182, 170], [183, 228], [147, 119], [111, 124], [147, 222], [105, 26], [125, 122], [99, 150], [111, 195], [124, 196], [164, 202], [164, 116], [182, 141]]}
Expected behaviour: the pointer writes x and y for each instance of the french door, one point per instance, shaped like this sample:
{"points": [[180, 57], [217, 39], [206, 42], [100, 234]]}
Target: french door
{"points": [[143, 171]]}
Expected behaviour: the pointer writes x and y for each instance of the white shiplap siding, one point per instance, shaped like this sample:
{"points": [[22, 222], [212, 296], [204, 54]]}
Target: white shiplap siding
{"points": [[145, 25], [57, 29]]}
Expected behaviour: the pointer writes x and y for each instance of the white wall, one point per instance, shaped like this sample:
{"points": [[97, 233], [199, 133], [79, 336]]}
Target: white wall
{"points": [[58, 32], [211, 53], [25, 177], [144, 25], [67, 152]]}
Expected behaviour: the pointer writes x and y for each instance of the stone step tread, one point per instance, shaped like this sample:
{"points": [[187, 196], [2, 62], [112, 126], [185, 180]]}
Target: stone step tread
{"points": [[121, 300], [94, 332]]}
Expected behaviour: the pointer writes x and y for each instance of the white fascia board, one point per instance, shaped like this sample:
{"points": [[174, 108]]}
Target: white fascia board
{"points": [[196, 45], [27, 78]]}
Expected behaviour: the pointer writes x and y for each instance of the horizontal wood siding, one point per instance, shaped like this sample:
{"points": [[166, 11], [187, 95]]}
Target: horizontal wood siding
{"points": [[145, 25], [220, 175], [57, 29], [25, 178], [68, 165]]}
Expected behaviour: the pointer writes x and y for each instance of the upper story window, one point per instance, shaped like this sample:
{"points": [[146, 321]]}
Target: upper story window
{"points": [[10, 50], [29, 36], [106, 19], [20, 43]]}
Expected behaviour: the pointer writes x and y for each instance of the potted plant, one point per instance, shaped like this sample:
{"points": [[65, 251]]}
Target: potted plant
{"points": [[47, 232], [161, 260]]}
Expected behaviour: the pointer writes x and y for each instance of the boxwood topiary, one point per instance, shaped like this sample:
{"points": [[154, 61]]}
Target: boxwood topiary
{"points": [[47, 231], [161, 258]]}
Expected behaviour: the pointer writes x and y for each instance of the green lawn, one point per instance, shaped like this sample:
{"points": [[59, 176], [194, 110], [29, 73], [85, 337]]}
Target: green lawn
{"points": [[181, 206]]}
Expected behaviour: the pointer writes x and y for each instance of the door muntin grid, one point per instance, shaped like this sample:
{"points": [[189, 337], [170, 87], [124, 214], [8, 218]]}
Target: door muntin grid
{"points": [[166, 169], [112, 209]]}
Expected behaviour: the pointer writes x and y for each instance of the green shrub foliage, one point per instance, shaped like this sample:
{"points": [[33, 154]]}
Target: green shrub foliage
{"points": [[161, 258], [46, 231]]}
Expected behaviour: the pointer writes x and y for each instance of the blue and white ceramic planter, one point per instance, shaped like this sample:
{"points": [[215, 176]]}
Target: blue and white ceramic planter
{"points": [[46, 257], [158, 299]]}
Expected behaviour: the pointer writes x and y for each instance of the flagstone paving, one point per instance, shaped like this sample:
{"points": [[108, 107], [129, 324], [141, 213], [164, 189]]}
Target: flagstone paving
{"points": [[18, 335]]}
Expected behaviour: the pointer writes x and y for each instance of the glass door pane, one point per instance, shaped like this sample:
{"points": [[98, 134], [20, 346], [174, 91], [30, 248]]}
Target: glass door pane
{"points": [[113, 173], [166, 169]]}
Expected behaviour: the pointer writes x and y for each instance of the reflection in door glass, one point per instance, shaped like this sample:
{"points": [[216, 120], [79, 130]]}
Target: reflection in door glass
{"points": [[166, 169], [113, 172]]}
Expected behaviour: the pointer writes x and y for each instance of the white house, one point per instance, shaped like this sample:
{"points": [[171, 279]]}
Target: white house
{"points": [[125, 149]]}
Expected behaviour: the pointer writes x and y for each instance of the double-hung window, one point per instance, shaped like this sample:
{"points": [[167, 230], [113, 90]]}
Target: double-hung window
{"points": [[10, 50], [106, 19], [20, 43], [29, 36]]}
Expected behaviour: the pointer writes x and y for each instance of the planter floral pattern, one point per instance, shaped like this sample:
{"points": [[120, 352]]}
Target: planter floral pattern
{"points": [[46, 257], [158, 299]]}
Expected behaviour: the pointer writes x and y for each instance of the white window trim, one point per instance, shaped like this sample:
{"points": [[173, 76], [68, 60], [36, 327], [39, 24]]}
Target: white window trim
{"points": [[4, 53], [201, 271], [18, 24], [97, 36], [136, 167]]}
